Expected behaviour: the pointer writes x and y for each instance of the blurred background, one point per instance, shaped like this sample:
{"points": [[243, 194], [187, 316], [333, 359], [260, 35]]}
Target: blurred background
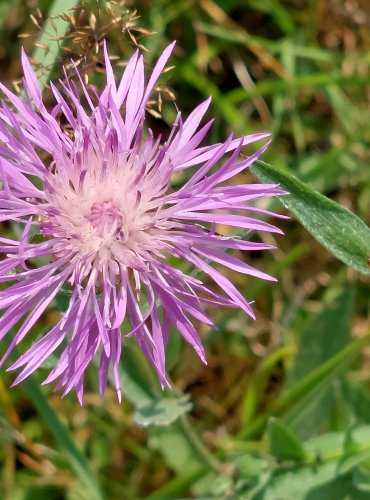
{"points": [[283, 407]]}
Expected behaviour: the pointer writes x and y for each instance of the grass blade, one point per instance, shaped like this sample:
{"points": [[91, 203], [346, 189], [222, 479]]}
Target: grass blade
{"points": [[53, 31], [64, 440]]}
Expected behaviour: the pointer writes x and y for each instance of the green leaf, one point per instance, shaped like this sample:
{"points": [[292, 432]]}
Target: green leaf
{"points": [[170, 432], [325, 333], [312, 482], [350, 445], [361, 479], [175, 447], [249, 465], [53, 31], [284, 444], [356, 447], [64, 440], [182, 449], [296, 482], [222, 486], [330, 444], [351, 462], [311, 384], [259, 380], [162, 411], [340, 231], [329, 470], [140, 385], [338, 444], [358, 399], [182, 482]]}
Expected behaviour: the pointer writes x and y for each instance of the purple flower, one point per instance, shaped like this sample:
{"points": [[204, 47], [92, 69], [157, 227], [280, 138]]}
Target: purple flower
{"points": [[96, 214]]}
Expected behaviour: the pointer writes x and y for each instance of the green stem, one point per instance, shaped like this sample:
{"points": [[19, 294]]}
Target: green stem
{"points": [[202, 452], [185, 481], [175, 487], [64, 440]]}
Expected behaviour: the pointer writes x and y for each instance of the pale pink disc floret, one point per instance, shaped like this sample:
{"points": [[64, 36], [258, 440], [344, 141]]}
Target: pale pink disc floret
{"points": [[98, 198]]}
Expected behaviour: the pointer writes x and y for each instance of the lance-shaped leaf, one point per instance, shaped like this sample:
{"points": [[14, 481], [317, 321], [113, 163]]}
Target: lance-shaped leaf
{"points": [[340, 231]]}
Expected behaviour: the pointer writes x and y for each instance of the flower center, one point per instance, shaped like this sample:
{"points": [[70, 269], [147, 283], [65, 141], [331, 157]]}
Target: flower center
{"points": [[106, 218], [103, 219]]}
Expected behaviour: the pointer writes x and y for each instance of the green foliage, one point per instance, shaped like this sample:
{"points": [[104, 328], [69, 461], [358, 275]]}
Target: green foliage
{"points": [[153, 407], [337, 229], [284, 444], [332, 326], [65, 442], [51, 37]]}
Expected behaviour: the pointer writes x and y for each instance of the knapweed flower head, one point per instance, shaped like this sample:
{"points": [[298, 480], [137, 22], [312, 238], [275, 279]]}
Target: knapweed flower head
{"points": [[97, 216]]}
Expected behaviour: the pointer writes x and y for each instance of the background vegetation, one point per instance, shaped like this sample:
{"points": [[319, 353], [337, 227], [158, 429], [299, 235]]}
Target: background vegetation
{"points": [[283, 409]]}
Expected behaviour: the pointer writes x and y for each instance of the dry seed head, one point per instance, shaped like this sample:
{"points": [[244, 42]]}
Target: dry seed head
{"points": [[89, 24]]}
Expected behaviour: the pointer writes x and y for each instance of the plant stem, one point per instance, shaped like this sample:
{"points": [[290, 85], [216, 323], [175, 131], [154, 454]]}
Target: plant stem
{"points": [[198, 446]]}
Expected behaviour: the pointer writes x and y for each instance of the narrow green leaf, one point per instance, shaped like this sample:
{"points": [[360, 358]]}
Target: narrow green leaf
{"points": [[311, 80], [182, 482], [278, 12], [336, 228], [284, 444], [314, 382], [64, 440], [326, 333], [258, 381], [53, 31], [323, 335]]}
